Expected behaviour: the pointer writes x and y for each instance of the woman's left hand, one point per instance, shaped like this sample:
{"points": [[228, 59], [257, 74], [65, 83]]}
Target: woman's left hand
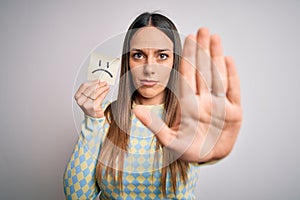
{"points": [[209, 112]]}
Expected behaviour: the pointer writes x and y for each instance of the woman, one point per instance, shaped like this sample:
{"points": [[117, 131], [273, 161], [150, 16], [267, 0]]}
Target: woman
{"points": [[117, 153]]}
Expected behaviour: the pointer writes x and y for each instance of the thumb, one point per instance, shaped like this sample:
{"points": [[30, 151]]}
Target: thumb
{"points": [[153, 122]]}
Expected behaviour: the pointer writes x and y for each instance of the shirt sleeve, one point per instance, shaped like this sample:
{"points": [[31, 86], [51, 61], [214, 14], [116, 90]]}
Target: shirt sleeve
{"points": [[80, 174]]}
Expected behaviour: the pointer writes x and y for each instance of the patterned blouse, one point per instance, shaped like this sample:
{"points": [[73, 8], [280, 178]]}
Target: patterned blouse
{"points": [[141, 176]]}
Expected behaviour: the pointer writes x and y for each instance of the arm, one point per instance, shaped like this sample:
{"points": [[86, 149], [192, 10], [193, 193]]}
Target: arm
{"points": [[79, 177]]}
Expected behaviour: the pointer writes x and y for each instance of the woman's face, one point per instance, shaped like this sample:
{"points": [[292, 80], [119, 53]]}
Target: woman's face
{"points": [[150, 62]]}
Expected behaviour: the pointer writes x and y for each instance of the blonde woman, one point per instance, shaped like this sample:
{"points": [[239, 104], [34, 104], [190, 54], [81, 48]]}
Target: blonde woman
{"points": [[175, 111]]}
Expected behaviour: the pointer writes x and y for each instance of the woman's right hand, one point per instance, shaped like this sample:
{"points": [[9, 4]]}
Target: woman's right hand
{"points": [[89, 97]]}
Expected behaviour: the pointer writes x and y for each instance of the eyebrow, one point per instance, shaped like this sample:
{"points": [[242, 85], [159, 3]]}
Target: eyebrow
{"points": [[157, 51]]}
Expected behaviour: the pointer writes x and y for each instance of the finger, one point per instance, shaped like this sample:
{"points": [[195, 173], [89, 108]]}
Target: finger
{"points": [[82, 100], [83, 87], [203, 61], [91, 90], [155, 124], [219, 71], [187, 65], [97, 104], [234, 91], [99, 99], [100, 90], [85, 91]]}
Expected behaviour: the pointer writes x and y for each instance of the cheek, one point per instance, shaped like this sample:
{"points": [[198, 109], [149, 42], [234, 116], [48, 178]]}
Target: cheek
{"points": [[166, 79], [165, 73], [136, 72], [134, 69], [168, 68]]}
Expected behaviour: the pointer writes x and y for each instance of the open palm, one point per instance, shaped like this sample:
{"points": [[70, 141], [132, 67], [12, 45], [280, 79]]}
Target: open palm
{"points": [[209, 112]]}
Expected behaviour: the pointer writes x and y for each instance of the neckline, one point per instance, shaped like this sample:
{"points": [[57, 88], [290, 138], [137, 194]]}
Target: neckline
{"points": [[149, 106]]}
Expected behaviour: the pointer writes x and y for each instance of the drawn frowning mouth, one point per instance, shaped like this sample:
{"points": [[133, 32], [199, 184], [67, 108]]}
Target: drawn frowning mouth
{"points": [[104, 71]]}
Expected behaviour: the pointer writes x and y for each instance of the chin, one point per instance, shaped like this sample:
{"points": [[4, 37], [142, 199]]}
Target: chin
{"points": [[149, 93]]}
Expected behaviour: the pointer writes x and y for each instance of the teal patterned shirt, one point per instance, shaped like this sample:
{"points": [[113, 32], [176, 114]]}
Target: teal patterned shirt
{"points": [[141, 175]]}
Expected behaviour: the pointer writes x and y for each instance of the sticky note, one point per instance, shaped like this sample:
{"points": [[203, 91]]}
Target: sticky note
{"points": [[103, 67]]}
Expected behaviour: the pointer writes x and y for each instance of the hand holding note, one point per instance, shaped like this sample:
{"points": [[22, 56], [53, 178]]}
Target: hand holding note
{"points": [[102, 72]]}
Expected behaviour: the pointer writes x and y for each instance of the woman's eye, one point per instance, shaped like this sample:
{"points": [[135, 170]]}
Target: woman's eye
{"points": [[163, 56], [138, 55]]}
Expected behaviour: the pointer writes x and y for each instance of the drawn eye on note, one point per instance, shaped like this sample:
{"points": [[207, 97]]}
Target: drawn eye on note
{"points": [[103, 67]]}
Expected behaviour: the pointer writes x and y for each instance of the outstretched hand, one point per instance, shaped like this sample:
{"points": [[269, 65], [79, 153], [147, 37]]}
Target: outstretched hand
{"points": [[209, 112]]}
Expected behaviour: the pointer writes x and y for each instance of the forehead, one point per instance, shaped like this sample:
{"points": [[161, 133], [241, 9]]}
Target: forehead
{"points": [[150, 37]]}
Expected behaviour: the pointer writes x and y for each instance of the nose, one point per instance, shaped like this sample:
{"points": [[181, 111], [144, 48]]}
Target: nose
{"points": [[149, 66]]}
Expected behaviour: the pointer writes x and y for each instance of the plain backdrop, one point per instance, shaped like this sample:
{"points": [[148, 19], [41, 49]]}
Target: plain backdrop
{"points": [[44, 43]]}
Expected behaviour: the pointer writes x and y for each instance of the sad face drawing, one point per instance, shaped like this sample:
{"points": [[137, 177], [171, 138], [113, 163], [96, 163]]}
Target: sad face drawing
{"points": [[103, 67]]}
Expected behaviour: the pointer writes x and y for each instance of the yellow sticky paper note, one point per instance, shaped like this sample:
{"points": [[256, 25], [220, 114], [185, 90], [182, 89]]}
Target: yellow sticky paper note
{"points": [[103, 67]]}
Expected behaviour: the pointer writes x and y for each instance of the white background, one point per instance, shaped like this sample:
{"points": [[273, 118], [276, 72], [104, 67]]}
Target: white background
{"points": [[42, 45]]}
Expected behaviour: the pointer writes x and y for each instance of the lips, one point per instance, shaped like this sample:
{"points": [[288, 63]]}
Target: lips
{"points": [[148, 83]]}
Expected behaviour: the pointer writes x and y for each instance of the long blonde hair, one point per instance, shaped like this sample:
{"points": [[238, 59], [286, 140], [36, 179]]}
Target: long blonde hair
{"points": [[118, 113]]}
